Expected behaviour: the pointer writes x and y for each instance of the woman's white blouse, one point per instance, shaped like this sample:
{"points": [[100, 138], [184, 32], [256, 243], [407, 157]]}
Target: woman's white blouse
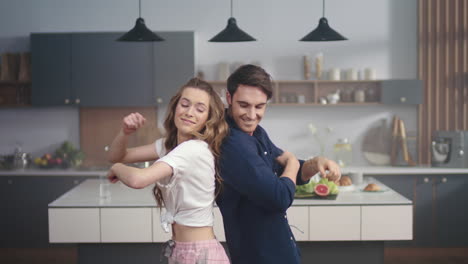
{"points": [[189, 193]]}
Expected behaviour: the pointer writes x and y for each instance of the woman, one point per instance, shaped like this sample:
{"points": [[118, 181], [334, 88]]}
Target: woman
{"points": [[185, 170]]}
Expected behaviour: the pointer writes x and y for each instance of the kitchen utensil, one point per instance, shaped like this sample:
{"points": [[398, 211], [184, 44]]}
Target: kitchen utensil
{"points": [[343, 152], [376, 144], [440, 150], [334, 98], [356, 178], [359, 96], [334, 74], [369, 74], [315, 197], [21, 159], [404, 145], [449, 149], [394, 150]]}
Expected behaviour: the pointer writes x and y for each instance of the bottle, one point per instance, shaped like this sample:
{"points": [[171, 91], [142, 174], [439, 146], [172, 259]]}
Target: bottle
{"points": [[318, 66], [359, 96], [370, 95], [306, 63], [343, 152]]}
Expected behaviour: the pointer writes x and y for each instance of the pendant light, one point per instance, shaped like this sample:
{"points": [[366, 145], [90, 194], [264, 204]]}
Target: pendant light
{"points": [[140, 32], [232, 33], [323, 32]]}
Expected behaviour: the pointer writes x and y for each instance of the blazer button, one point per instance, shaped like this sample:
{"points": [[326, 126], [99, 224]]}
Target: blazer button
{"points": [[291, 238], [265, 153]]}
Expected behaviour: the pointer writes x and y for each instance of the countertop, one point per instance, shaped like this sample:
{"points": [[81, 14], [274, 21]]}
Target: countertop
{"points": [[354, 195], [87, 194], [366, 170]]}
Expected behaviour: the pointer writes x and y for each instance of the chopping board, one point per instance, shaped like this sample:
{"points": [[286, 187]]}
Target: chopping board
{"points": [[376, 145], [315, 197]]}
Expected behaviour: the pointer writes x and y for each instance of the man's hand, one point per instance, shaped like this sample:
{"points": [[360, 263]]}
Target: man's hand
{"points": [[321, 165], [291, 165], [285, 157]]}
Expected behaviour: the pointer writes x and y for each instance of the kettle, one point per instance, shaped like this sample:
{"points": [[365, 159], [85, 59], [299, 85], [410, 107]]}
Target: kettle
{"points": [[21, 160]]}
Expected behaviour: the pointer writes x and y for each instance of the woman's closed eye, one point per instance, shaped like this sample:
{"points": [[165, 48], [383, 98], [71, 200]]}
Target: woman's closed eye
{"points": [[201, 109]]}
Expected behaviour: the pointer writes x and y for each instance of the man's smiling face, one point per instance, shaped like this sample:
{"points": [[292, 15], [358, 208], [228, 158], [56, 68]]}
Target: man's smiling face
{"points": [[248, 105]]}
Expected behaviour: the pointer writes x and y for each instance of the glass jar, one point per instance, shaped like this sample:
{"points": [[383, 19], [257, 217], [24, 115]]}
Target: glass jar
{"points": [[343, 152], [359, 96]]}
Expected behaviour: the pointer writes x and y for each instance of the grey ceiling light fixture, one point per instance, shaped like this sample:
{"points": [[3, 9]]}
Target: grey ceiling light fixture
{"points": [[232, 33], [323, 32], [140, 33]]}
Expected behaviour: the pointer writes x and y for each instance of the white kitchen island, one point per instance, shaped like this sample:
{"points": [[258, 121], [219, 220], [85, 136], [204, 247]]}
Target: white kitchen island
{"points": [[353, 227]]}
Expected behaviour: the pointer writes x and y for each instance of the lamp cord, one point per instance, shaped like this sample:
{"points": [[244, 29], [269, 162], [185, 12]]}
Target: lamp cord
{"points": [[139, 8], [231, 8], [323, 8]]}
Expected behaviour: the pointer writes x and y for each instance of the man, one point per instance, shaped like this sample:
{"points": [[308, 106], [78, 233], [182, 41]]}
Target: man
{"points": [[258, 178]]}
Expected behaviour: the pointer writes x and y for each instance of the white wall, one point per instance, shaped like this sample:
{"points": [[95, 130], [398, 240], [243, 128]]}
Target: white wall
{"points": [[382, 34]]}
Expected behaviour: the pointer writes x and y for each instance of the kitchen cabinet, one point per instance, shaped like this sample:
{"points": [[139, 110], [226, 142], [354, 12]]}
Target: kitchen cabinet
{"points": [[25, 202], [80, 223], [174, 63], [439, 210], [313, 92], [402, 92], [345, 220], [439, 217], [115, 225], [15, 93], [451, 214], [106, 72], [51, 69], [404, 185], [387, 222], [94, 70], [298, 219]]}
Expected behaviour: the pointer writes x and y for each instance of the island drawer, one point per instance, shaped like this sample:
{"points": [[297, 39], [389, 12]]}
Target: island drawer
{"points": [[74, 225]]}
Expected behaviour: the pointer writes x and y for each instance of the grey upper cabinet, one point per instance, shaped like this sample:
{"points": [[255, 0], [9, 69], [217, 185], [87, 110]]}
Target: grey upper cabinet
{"points": [[95, 70], [174, 63], [51, 74], [106, 72], [402, 92]]}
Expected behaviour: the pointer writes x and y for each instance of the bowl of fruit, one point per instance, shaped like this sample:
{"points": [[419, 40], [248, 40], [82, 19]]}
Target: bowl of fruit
{"points": [[64, 157]]}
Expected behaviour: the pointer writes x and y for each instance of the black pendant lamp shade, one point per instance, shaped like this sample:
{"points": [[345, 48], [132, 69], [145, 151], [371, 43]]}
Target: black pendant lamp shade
{"points": [[140, 32], [323, 32], [232, 33]]}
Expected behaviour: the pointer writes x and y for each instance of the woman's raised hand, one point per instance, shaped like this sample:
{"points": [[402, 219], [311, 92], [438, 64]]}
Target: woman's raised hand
{"points": [[132, 123]]}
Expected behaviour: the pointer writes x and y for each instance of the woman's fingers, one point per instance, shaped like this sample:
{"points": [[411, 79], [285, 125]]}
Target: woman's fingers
{"points": [[132, 122]]}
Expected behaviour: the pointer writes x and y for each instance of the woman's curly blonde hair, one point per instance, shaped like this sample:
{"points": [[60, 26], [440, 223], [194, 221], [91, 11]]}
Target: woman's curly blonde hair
{"points": [[213, 133]]}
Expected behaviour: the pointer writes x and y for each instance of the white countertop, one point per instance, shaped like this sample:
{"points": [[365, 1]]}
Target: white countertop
{"points": [[390, 170], [87, 195], [52, 172], [366, 170]]}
